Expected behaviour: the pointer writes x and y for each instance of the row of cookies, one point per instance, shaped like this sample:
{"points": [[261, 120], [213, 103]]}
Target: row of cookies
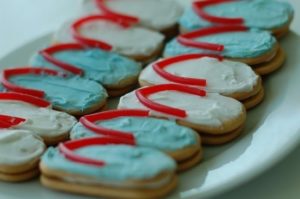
{"points": [[218, 118], [98, 160]]}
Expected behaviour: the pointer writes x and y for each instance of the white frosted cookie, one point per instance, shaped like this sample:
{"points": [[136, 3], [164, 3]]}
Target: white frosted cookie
{"points": [[154, 14], [211, 114], [138, 43], [37, 116], [20, 151], [217, 75]]}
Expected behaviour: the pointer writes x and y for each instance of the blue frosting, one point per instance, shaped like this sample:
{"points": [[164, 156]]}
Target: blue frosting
{"points": [[246, 44], [70, 93], [261, 14], [123, 162], [149, 132], [107, 68]]}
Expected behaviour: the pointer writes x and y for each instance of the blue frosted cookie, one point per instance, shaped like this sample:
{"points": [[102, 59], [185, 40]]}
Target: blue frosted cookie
{"points": [[71, 94], [274, 16], [108, 167], [181, 143], [256, 48], [115, 72]]}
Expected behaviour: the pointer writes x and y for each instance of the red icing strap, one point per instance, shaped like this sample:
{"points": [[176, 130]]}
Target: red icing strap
{"points": [[88, 122], [22, 71], [47, 54], [25, 98], [68, 147], [187, 39], [10, 121], [93, 42], [160, 65], [143, 93], [199, 6], [106, 10]]}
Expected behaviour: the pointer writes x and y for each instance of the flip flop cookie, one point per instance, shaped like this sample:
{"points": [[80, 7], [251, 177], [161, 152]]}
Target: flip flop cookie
{"points": [[71, 94], [112, 34], [217, 118], [181, 143], [116, 73], [25, 112], [217, 75], [20, 151], [273, 16], [254, 47], [159, 15], [108, 167]]}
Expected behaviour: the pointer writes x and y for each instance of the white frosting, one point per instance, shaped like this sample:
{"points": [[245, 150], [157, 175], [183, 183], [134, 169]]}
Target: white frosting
{"points": [[154, 14], [224, 77], [19, 147], [133, 41], [44, 122], [211, 110]]}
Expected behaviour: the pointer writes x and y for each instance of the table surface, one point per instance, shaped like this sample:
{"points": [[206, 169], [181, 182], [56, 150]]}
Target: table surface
{"points": [[23, 21]]}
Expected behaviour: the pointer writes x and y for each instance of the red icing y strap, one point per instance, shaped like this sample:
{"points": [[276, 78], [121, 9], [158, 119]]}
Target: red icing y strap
{"points": [[47, 54], [106, 10], [199, 6], [10, 121], [160, 65], [22, 71], [68, 147], [88, 122], [143, 93], [25, 98], [93, 42], [187, 38]]}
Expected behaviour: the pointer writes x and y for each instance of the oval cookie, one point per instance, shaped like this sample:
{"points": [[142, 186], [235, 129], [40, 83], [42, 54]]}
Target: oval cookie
{"points": [[258, 14], [35, 115], [113, 34], [108, 167], [158, 15], [181, 143], [218, 75], [254, 47], [20, 151], [208, 113], [72, 94], [115, 72]]}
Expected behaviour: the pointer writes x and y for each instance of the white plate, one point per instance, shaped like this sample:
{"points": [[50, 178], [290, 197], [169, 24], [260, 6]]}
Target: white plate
{"points": [[272, 131]]}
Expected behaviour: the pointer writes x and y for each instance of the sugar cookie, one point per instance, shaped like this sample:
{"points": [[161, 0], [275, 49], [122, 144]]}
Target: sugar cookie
{"points": [[71, 94], [207, 113], [108, 167], [181, 143]]}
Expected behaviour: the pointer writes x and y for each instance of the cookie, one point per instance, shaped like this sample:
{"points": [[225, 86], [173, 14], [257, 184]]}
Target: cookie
{"points": [[115, 72], [113, 34], [257, 48], [181, 143], [217, 75], [207, 113], [159, 15], [71, 94], [20, 151], [25, 112], [108, 167], [273, 16]]}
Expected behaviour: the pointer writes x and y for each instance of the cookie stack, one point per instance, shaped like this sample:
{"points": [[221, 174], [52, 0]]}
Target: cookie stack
{"points": [[183, 79]]}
